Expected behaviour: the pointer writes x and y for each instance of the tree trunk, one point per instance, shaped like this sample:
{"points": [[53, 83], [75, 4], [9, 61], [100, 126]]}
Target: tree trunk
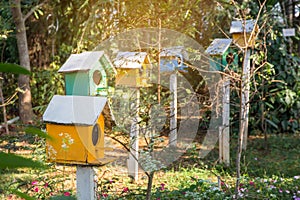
{"points": [[25, 106], [149, 185], [243, 122], [290, 15], [3, 107]]}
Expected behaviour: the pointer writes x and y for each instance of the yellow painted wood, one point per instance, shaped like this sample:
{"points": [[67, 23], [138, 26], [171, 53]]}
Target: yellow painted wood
{"points": [[96, 152], [73, 144], [239, 38], [133, 77], [127, 77]]}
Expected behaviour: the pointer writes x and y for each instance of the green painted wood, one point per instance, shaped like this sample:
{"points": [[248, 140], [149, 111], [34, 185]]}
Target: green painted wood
{"points": [[219, 62], [101, 88], [235, 61], [109, 70], [77, 83], [83, 83]]}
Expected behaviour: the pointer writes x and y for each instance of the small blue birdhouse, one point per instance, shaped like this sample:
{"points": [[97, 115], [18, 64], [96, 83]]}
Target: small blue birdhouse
{"points": [[172, 59]]}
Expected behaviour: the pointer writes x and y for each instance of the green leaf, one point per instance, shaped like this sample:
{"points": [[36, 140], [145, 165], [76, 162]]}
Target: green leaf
{"points": [[36, 15], [12, 161], [36, 131], [22, 195], [13, 68], [188, 91], [272, 123], [269, 105]]}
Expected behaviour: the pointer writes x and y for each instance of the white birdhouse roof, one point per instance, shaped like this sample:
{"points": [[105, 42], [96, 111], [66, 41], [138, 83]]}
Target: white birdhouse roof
{"points": [[70, 110], [174, 51], [81, 62], [242, 26], [130, 60], [218, 46]]}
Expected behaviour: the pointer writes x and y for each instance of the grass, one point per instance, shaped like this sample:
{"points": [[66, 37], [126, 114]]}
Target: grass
{"points": [[281, 157], [189, 177]]}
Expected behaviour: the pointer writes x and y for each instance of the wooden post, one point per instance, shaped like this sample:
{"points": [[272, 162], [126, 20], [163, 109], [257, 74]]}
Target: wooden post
{"points": [[224, 137], [218, 48], [85, 183], [245, 96], [133, 165], [173, 110]]}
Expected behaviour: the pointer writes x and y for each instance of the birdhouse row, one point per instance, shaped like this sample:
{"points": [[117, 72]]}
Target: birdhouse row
{"points": [[76, 121], [222, 55], [92, 73]]}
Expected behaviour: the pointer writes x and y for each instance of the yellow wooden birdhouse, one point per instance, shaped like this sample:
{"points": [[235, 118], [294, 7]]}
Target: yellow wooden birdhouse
{"points": [[133, 69], [244, 32], [76, 127]]}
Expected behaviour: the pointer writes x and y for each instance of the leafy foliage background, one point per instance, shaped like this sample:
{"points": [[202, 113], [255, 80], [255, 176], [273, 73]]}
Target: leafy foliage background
{"points": [[59, 28]]}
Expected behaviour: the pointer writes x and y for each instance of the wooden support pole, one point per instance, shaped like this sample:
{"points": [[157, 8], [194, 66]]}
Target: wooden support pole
{"points": [[224, 136], [173, 110], [85, 183], [133, 165], [245, 96], [158, 67]]}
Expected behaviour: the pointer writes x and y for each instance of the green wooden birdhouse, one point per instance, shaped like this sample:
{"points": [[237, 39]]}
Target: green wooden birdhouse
{"points": [[86, 74], [221, 53]]}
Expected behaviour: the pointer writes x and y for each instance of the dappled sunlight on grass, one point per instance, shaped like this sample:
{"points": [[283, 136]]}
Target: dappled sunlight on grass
{"points": [[269, 171]]}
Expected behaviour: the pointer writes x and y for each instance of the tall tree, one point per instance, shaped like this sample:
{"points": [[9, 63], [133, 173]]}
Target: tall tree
{"points": [[25, 106]]}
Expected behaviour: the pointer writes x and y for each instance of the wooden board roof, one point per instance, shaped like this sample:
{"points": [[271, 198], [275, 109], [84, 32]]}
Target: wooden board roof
{"points": [[80, 110], [130, 60], [218, 46], [174, 51], [242, 26], [81, 62]]}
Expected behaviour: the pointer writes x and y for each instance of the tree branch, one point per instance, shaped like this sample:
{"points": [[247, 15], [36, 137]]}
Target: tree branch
{"points": [[33, 10]]}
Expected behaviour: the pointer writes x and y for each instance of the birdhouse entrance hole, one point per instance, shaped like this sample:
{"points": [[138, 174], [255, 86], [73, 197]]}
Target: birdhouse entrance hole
{"points": [[95, 134], [97, 77]]}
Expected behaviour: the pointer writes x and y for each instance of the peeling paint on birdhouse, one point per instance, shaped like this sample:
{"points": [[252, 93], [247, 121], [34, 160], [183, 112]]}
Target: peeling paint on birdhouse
{"points": [[241, 32], [172, 59], [222, 54], [76, 127], [133, 69], [86, 73]]}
